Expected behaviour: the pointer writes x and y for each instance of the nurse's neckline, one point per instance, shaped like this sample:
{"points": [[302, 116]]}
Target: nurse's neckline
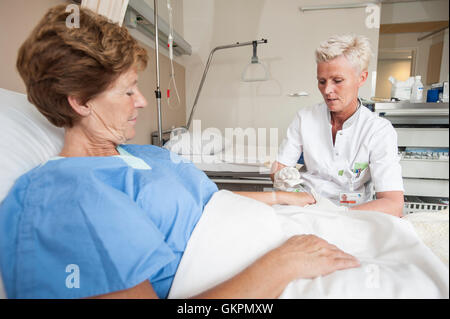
{"points": [[348, 121]]}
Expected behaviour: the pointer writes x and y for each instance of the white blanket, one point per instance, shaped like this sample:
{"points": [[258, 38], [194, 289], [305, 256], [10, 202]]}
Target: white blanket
{"points": [[235, 230]]}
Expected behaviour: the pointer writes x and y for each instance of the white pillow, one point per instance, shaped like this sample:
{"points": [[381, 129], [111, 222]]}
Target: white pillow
{"points": [[27, 138]]}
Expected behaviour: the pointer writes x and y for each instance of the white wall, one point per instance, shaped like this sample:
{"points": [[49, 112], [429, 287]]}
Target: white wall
{"points": [[419, 11], [445, 59], [292, 36]]}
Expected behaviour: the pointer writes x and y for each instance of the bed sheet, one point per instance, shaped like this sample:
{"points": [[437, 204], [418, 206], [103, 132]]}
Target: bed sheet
{"points": [[234, 231]]}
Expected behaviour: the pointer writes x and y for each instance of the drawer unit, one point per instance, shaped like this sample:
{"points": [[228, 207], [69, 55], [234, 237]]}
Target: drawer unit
{"points": [[422, 137], [426, 187], [418, 168], [423, 141]]}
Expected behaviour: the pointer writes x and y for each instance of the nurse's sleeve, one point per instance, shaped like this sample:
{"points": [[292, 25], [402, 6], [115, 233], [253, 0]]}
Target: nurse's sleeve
{"points": [[94, 240], [291, 147], [384, 161]]}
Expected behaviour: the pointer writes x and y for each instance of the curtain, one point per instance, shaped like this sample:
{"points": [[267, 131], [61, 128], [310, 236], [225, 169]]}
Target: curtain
{"points": [[112, 9]]}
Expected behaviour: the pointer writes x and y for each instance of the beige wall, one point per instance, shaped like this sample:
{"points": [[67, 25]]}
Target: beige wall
{"points": [[171, 116], [18, 18], [409, 41], [416, 11]]}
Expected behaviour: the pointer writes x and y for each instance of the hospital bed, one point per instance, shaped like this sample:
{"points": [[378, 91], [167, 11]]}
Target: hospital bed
{"points": [[230, 165], [401, 258]]}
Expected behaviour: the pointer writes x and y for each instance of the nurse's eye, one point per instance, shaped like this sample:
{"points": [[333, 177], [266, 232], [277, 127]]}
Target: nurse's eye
{"points": [[130, 93]]}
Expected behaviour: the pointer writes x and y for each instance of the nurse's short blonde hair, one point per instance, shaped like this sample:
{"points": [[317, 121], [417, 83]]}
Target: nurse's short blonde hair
{"points": [[356, 48]]}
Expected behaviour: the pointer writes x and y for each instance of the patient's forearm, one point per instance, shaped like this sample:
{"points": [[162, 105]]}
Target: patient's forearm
{"points": [[281, 198], [263, 279], [270, 198], [301, 256]]}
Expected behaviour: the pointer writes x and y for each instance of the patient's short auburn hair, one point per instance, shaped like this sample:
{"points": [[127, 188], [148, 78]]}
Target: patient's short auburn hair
{"points": [[57, 61]]}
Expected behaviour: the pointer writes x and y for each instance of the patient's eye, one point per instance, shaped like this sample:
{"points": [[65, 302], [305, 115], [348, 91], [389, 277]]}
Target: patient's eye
{"points": [[130, 93]]}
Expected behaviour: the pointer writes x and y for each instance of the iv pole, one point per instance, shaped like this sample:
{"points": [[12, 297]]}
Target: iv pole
{"points": [[158, 90]]}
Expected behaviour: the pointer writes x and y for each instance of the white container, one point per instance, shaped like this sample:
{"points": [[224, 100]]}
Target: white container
{"points": [[401, 90], [445, 92], [417, 90]]}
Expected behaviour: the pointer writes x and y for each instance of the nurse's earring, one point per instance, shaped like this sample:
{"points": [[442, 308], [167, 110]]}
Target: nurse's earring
{"points": [[78, 107]]}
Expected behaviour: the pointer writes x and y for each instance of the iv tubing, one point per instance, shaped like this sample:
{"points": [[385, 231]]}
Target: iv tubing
{"points": [[170, 44]]}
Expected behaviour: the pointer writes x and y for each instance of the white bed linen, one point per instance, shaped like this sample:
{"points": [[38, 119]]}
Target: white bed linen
{"points": [[234, 231], [225, 156]]}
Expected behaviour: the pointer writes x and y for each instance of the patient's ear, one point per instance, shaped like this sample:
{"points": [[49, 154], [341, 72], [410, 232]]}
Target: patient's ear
{"points": [[78, 107]]}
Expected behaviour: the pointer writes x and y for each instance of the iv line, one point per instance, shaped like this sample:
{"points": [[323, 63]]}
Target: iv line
{"points": [[170, 45]]}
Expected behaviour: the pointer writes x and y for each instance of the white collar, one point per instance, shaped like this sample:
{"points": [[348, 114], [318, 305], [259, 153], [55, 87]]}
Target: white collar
{"points": [[348, 122], [131, 160]]}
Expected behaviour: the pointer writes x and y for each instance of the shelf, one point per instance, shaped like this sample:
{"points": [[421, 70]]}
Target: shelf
{"points": [[407, 113]]}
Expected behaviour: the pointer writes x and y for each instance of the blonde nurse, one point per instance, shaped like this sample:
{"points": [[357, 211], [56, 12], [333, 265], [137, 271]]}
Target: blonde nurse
{"points": [[350, 154]]}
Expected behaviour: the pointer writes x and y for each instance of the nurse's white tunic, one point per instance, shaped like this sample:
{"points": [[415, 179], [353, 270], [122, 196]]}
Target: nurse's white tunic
{"points": [[363, 159]]}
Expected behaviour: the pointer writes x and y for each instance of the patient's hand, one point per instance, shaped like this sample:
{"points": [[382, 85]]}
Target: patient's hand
{"points": [[308, 256], [296, 199]]}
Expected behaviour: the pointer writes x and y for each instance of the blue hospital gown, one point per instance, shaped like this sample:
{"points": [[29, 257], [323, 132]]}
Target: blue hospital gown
{"points": [[84, 226]]}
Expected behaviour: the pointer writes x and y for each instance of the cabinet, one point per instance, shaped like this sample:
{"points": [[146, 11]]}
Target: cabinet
{"points": [[423, 141]]}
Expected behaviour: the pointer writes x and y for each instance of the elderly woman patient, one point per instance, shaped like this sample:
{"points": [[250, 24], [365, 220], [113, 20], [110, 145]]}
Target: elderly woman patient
{"points": [[117, 216]]}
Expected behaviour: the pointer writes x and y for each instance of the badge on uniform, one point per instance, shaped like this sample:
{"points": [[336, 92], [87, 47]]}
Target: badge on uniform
{"points": [[350, 199]]}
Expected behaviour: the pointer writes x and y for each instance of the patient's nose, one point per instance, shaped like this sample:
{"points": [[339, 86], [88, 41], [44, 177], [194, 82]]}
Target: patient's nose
{"points": [[140, 101]]}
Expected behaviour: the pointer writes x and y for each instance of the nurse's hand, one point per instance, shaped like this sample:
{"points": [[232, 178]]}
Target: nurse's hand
{"points": [[295, 198]]}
